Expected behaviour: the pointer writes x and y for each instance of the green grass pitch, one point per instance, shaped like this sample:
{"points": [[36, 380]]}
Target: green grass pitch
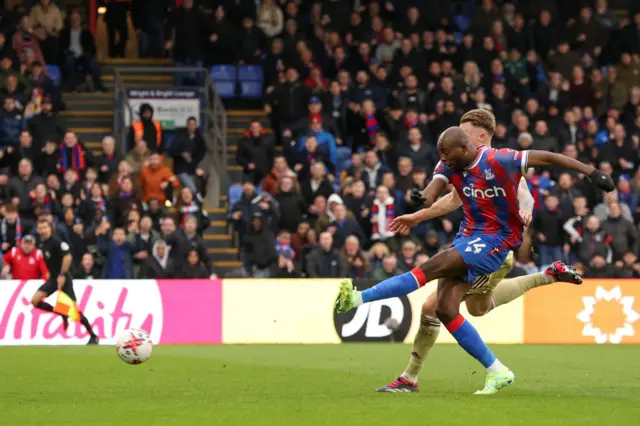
{"points": [[315, 385]]}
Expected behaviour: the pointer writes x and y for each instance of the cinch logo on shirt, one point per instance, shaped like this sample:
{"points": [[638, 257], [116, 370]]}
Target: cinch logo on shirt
{"points": [[472, 192]]}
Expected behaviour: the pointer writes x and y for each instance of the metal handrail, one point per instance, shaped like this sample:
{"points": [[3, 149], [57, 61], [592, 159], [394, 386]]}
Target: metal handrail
{"points": [[214, 127]]}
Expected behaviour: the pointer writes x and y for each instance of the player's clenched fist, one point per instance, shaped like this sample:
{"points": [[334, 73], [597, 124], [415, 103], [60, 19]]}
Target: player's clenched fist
{"points": [[416, 199], [403, 223], [602, 181]]}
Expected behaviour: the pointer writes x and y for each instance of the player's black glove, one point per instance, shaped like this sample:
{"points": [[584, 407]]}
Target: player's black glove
{"points": [[416, 200], [602, 181]]}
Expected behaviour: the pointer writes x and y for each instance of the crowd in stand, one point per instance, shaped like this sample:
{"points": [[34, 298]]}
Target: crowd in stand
{"points": [[135, 214], [357, 93]]}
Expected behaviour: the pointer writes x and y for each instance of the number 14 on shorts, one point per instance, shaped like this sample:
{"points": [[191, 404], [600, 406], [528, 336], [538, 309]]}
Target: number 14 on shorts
{"points": [[475, 245]]}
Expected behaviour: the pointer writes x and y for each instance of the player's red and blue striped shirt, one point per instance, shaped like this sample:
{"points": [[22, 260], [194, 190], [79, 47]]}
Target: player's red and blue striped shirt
{"points": [[488, 189]]}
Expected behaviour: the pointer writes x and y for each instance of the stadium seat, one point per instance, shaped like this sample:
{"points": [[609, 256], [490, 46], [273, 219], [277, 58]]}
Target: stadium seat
{"points": [[462, 22], [251, 89], [458, 36], [251, 79], [223, 73], [53, 71], [226, 89], [250, 73]]}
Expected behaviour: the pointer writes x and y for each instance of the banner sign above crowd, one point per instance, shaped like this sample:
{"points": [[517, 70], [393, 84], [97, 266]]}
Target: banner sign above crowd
{"points": [[172, 107]]}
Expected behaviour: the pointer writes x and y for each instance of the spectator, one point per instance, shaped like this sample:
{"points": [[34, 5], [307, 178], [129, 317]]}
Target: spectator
{"points": [[26, 40], [355, 262], [107, 161], [25, 262], [47, 17], [600, 268], [188, 150], [550, 237], [118, 254], [621, 231], [88, 270], [601, 211], [192, 269], [13, 228], [292, 206], [279, 171], [123, 200], [270, 18], [139, 157], [389, 268], [259, 248], [147, 129], [12, 123], [342, 226], [324, 261], [46, 126], [252, 42], [407, 257], [383, 211], [319, 184], [373, 170], [21, 186], [188, 206], [148, 18], [117, 27], [186, 239], [255, 152], [159, 265], [79, 53], [595, 241], [72, 154], [156, 178], [188, 28], [630, 267]]}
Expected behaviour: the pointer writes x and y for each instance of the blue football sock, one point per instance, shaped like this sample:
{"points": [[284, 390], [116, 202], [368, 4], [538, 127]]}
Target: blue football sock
{"points": [[470, 340], [391, 287]]}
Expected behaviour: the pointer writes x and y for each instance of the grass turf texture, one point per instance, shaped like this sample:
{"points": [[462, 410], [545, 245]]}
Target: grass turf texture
{"points": [[315, 385]]}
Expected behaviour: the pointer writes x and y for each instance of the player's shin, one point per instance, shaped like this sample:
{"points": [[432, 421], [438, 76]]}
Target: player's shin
{"points": [[511, 289], [395, 286], [425, 339], [468, 338]]}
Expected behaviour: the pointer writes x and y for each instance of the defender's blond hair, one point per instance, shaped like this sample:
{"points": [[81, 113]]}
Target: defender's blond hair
{"points": [[480, 118]]}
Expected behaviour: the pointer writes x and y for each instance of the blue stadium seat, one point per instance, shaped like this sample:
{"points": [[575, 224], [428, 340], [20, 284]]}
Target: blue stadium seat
{"points": [[54, 73], [250, 73], [223, 73], [226, 89], [462, 22], [251, 89], [458, 36], [251, 79]]}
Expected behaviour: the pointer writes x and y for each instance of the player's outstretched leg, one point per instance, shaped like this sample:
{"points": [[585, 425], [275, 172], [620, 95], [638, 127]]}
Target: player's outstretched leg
{"points": [[511, 289], [446, 263], [423, 342], [450, 295]]}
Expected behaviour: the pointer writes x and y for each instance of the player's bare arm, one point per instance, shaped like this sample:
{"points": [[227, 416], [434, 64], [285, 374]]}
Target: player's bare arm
{"points": [[443, 205], [544, 158], [526, 202]]}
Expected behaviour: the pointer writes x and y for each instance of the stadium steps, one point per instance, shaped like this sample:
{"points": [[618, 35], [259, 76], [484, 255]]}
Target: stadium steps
{"points": [[137, 79], [219, 238], [90, 116]]}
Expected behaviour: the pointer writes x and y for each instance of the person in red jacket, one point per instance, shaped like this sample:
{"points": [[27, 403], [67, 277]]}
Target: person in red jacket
{"points": [[25, 262]]}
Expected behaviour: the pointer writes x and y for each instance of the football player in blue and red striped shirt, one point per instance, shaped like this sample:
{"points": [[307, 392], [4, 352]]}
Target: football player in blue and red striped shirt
{"points": [[486, 181]]}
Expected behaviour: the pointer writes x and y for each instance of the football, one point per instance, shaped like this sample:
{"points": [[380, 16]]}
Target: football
{"points": [[134, 346]]}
